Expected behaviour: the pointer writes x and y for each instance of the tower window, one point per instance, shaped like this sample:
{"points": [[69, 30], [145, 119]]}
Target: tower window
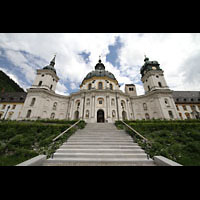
{"points": [[159, 83], [32, 102], [157, 76], [40, 83], [28, 114], [170, 114], [51, 87], [148, 88], [111, 86], [42, 75]]}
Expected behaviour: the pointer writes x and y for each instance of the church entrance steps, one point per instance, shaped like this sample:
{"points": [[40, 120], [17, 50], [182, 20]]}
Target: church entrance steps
{"points": [[98, 150], [99, 144], [99, 162], [100, 155]]}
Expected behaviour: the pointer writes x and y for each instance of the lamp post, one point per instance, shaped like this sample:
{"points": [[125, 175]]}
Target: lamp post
{"points": [[6, 112]]}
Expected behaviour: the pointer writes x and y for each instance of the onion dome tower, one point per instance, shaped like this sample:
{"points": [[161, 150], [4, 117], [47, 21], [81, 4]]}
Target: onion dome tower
{"points": [[46, 78], [152, 76]]}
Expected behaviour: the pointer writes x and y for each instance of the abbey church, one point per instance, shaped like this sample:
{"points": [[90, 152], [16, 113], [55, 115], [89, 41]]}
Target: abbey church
{"points": [[101, 100]]}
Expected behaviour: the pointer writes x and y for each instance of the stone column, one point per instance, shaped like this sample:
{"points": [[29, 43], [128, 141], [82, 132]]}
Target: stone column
{"points": [[108, 105], [81, 107], [71, 109], [117, 105], [92, 106], [128, 112]]}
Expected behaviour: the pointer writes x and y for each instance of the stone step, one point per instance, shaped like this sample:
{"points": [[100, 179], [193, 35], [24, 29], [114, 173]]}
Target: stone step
{"points": [[98, 162], [99, 155], [98, 150], [102, 131], [98, 136], [98, 140], [100, 143], [74, 146]]}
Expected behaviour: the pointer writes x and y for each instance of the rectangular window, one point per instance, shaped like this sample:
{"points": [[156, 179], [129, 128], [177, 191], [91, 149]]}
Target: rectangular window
{"points": [[14, 106], [100, 102]]}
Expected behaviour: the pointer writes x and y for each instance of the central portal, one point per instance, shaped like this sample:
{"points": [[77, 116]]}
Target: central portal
{"points": [[100, 116]]}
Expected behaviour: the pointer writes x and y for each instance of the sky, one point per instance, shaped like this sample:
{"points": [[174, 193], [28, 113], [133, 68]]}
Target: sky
{"points": [[122, 54]]}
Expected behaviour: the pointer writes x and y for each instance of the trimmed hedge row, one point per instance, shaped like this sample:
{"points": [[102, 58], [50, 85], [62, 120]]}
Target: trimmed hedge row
{"points": [[175, 140], [20, 141]]}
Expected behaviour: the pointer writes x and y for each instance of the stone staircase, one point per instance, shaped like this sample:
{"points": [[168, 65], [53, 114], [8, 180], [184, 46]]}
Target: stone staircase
{"points": [[99, 144]]}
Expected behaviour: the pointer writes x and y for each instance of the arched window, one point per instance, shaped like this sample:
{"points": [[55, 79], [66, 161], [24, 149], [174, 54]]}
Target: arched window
{"points": [[147, 116], [54, 105], [148, 88], [32, 101], [167, 103], [52, 116], [28, 114], [100, 101], [89, 86], [51, 87], [159, 83], [77, 104], [100, 85], [171, 114], [145, 106], [111, 86], [40, 83], [123, 104]]}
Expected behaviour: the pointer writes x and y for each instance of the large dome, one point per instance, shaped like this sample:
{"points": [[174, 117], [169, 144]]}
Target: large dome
{"points": [[99, 72]]}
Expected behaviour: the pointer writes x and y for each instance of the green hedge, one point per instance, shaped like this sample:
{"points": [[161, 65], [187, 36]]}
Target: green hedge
{"points": [[20, 141], [176, 140]]}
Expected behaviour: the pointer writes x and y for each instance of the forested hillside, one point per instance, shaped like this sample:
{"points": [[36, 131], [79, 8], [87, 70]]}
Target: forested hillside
{"points": [[7, 84]]}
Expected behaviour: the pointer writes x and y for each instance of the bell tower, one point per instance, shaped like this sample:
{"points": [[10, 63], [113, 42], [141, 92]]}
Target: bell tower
{"points": [[46, 78], [152, 76]]}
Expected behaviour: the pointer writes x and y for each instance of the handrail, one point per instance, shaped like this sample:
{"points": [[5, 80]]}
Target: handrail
{"points": [[146, 140], [65, 131]]}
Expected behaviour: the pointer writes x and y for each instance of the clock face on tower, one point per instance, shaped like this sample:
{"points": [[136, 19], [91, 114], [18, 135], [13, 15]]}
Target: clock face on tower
{"points": [[153, 67]]}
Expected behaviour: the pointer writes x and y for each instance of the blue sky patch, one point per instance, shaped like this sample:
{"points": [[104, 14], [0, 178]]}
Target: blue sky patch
{"points": [[112, 57], [85, 56]]}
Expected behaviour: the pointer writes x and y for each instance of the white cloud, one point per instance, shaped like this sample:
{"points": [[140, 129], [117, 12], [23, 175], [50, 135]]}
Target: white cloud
{"points": [[170, 50], [61, 89]]}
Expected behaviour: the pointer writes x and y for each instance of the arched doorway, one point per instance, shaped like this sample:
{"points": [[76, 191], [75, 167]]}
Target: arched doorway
{"points": [[124, 117], [76, 115], [100, 116]]}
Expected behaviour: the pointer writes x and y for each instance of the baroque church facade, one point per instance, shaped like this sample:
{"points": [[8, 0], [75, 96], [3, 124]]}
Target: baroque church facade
{"points": [[100, 98]]}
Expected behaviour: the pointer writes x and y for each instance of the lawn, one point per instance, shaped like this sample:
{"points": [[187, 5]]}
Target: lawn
{"points": [[176, 140], [20, 141]]}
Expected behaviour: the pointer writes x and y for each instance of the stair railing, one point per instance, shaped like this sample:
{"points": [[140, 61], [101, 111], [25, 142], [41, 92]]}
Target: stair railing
{"points": [[66, 131], [61, 134], [144, 140]]}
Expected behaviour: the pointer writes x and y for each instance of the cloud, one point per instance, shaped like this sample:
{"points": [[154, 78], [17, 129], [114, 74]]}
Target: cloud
{"points": [[61, 89], [77, 54]]}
